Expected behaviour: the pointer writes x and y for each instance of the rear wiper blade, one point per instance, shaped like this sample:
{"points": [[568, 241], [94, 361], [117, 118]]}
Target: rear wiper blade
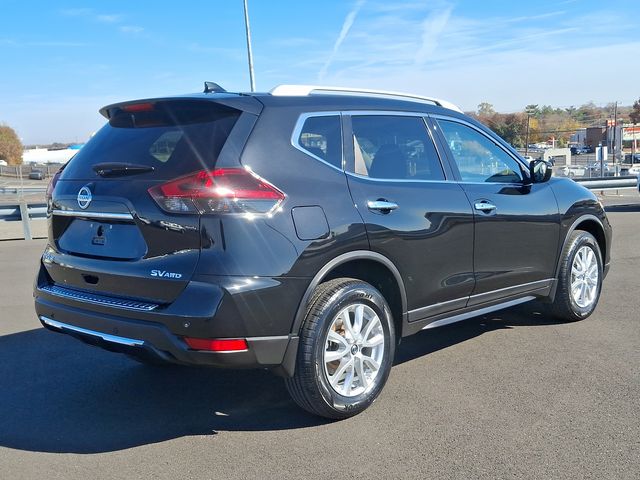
{"points": [[118, 169]]}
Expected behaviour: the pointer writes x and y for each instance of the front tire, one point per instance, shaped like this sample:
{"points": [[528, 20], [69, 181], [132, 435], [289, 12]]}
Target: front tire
{"points": [[580, 278], [347, 344]]}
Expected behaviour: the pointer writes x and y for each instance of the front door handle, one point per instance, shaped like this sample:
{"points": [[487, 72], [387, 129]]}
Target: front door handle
{"points": [[484, 206], [381, 205]]}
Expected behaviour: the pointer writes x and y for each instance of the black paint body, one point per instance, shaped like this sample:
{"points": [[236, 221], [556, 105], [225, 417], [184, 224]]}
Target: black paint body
{"points": [[251, 278]]}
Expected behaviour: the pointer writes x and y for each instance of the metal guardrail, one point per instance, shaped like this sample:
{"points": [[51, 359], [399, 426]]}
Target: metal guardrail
{"points": [[15, 212], [23, 212], [22, 190], [609, 183]]}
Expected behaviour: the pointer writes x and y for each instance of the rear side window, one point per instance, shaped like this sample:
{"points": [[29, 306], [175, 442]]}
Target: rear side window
{"points": [[321, 137], [175, 138], [395, 148]]}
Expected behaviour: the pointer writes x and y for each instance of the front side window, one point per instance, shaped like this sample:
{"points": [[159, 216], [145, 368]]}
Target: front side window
{"points": [[321, 137], [478, 158], [394, 147]]}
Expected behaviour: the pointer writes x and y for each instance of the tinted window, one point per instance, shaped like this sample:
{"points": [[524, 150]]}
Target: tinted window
{"points": [[175, 139], [478, 158], [322, 138], [394, 147]]}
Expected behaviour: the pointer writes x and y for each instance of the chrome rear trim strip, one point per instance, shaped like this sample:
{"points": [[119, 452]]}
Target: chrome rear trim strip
{"points": [[101, 215], [130, 342], [476, 313], [98, 299]]}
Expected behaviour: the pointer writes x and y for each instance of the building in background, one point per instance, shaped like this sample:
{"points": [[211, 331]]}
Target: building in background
{"points": [[43, 156], [579, 138], [631, 137], [596, 136]]}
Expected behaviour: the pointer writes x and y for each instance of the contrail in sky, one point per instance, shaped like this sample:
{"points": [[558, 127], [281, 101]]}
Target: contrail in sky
{"points": [[346, 26]]}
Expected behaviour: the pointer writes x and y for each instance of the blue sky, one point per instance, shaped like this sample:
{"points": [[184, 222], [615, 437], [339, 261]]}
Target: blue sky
{"points": [[61, 61]]}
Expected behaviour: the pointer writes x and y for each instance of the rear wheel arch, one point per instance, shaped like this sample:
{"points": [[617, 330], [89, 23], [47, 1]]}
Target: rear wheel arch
{"points": [[371, 267]]}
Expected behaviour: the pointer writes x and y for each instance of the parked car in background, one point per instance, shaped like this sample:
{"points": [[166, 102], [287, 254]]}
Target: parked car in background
{"points": [[579, 150], [633, 170], [631, 164], [573, 171], [3, 163], [306, 231], [595, 170], [36, 175]]}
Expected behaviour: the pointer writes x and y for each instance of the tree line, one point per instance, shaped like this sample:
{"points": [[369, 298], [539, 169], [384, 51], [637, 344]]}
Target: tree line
{"points": [[546, 122]]}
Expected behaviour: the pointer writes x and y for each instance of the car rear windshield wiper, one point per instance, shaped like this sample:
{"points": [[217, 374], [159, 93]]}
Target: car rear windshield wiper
{"points": [[120, 169]]}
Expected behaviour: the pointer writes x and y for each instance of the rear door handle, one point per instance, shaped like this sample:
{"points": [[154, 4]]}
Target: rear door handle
{"points": [[381, 205], [484, 206]]}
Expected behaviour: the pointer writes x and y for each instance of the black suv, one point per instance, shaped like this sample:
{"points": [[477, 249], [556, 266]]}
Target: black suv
{"points": [[306, 230]]}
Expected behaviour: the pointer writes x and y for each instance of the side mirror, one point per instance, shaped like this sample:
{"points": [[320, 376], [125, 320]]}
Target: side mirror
{"points": [[540, 171]]}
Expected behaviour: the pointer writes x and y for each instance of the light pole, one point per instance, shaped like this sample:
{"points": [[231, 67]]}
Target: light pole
{"points": [[526, 143], [249, 53], [529, 110]]}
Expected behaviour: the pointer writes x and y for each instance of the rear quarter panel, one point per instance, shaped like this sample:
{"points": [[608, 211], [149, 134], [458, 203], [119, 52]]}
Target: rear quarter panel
{"points": [[269, 245]]}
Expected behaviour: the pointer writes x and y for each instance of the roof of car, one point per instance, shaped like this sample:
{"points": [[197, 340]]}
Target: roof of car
{"points": [[319, 97]]}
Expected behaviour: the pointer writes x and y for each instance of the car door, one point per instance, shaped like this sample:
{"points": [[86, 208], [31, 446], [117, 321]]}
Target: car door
{"points": [[517, 225], [413, 214]]}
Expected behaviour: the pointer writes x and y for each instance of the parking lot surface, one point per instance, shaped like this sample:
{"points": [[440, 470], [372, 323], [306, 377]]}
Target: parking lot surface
{"points": [[508, 395]]}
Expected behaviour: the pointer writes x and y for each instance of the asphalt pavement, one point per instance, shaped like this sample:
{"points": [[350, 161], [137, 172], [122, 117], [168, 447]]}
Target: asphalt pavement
{"points": [[513, 394]]}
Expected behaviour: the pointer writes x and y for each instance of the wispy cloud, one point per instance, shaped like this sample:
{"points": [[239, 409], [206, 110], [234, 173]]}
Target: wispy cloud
{"points": [[76, 12], [115, 19], [92, 14], [436, 48], [55, 43], [135, 29], [293, 42], [344, 31], [108, 18], [236, 54], [432, 28], [9, 42]]}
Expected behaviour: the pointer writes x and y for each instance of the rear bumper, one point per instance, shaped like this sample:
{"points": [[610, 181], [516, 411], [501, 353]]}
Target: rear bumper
{"points": [[153, 341], [203, 310]]}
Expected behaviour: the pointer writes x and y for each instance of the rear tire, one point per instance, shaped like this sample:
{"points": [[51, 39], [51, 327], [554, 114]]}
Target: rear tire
{"points": [[580, 278], [347, 344]]}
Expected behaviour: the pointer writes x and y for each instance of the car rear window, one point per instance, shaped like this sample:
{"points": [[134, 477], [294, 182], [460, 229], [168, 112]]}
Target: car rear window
{"points": [[174, 138]]}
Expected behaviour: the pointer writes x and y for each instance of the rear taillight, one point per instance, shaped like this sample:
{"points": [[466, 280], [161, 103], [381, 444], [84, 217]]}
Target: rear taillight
{"points": [[52, 185], [217, 345], [223, 190]]}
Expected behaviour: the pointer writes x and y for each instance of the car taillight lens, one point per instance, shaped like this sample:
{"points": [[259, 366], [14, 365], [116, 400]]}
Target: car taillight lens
{"points": [[217, 345], [223, 190], [52, 185]]}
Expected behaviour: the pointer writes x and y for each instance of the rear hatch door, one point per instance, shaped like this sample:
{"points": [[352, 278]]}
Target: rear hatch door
{"points": [[106, 233]]}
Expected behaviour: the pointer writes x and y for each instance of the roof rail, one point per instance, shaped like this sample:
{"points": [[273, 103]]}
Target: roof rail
{"points": [[306, 90]]}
